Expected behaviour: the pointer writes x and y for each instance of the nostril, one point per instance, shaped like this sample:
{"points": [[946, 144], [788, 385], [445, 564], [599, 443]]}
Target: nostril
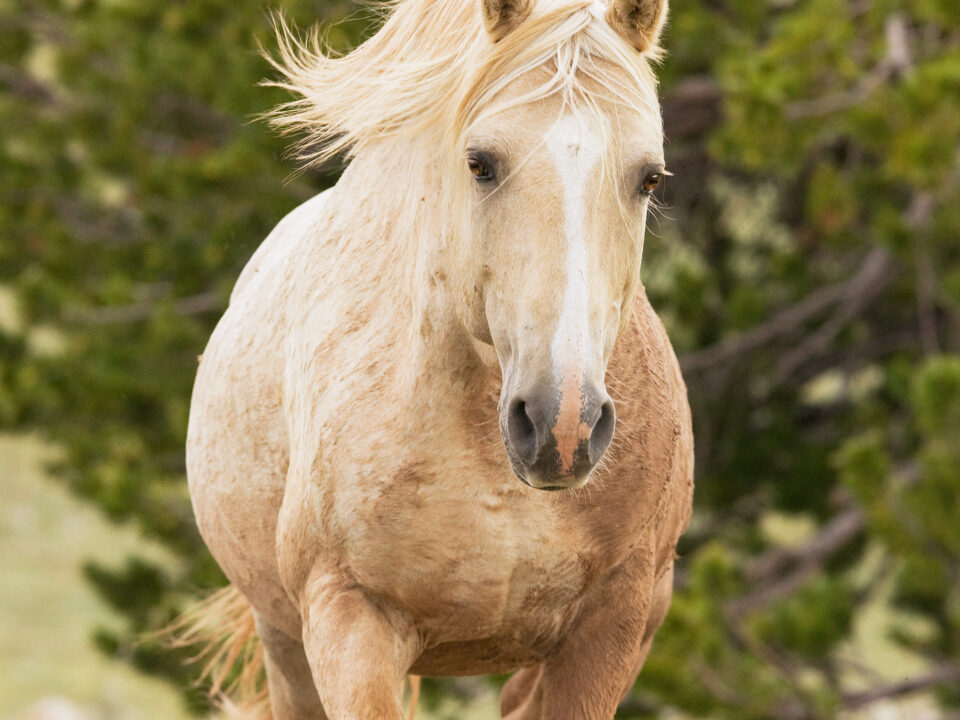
{"points": [[602, 432], [523, 433]]}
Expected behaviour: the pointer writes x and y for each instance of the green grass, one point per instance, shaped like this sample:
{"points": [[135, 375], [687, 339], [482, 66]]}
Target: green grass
{"points": [[47, 609]]}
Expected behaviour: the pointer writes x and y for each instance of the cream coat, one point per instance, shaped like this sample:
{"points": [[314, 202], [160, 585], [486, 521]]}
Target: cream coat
{"points": [[347, 471]]}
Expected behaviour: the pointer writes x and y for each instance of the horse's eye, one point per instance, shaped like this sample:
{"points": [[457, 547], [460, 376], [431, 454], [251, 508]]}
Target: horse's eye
{"points": [[479, 168], [650, 182]]}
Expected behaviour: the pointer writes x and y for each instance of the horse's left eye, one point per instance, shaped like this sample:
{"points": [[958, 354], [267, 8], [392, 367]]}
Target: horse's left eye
{"points": [[650, 182], [479, 168]]}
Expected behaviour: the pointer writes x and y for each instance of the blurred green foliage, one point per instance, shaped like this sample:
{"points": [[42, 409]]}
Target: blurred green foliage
{"points": [[135, 184], [807, 266]]}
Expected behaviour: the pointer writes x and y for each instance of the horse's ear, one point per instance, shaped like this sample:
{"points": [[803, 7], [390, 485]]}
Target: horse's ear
{"points": [[639, 21], [502, 16]]}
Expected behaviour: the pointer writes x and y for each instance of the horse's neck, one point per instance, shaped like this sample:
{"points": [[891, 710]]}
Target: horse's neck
{"points": [[403, 221]]}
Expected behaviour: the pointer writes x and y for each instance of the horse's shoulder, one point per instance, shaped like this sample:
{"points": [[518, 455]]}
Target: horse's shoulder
{"points": [[655, 424], [643, 354], [241, 366]]}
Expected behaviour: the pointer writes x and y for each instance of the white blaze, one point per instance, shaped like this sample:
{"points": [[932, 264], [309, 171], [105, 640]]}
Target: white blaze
{"points": [[576, 150]]}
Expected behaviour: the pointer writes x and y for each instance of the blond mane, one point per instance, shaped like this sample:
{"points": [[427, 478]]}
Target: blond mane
{"points": [[432, 70]]}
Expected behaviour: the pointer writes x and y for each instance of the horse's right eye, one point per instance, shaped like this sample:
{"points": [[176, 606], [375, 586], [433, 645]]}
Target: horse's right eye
{"points": [[479, 168]]}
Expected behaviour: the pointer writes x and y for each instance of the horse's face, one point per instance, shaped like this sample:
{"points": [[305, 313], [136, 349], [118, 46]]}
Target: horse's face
{"points": [[559, 200]]}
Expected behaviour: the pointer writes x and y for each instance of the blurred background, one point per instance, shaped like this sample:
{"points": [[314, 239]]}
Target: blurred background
{"points": [[805, 259]]}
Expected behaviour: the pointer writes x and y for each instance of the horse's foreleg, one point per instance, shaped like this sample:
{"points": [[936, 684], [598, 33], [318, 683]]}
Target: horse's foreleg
{"points": [[293, 695], [359, 654], [522, 695], [662, 593], [598, 660]]}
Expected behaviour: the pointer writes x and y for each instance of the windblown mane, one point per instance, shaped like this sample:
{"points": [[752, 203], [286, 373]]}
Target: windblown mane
{"points": [[433, 69]]}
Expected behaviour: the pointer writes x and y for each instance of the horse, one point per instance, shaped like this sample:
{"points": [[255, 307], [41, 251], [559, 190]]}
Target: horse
{"points": [[439, 430]]}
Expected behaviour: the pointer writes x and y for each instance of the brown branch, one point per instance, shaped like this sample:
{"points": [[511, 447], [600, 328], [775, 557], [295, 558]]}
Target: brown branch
{"points": [[874, 269], [805, 561], [124, 314], [864, 288], [799, 707], [21, 84], [902, 339], [940, 676], [780, 572], [918, 217]]}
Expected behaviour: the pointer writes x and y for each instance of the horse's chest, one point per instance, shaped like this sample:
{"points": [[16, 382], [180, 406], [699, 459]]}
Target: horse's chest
{"points": [[468, 566]]}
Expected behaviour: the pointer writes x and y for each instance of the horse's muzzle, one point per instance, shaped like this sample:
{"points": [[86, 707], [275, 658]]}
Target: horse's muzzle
{"points": [[554, 436]]}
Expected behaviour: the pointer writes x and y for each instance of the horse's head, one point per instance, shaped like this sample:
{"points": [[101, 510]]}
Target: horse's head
{"points": [[544, 118], [559, 154]]}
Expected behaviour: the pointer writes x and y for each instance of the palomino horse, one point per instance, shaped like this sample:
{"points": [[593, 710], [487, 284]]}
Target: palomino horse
{"points": [[476, 267]]}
